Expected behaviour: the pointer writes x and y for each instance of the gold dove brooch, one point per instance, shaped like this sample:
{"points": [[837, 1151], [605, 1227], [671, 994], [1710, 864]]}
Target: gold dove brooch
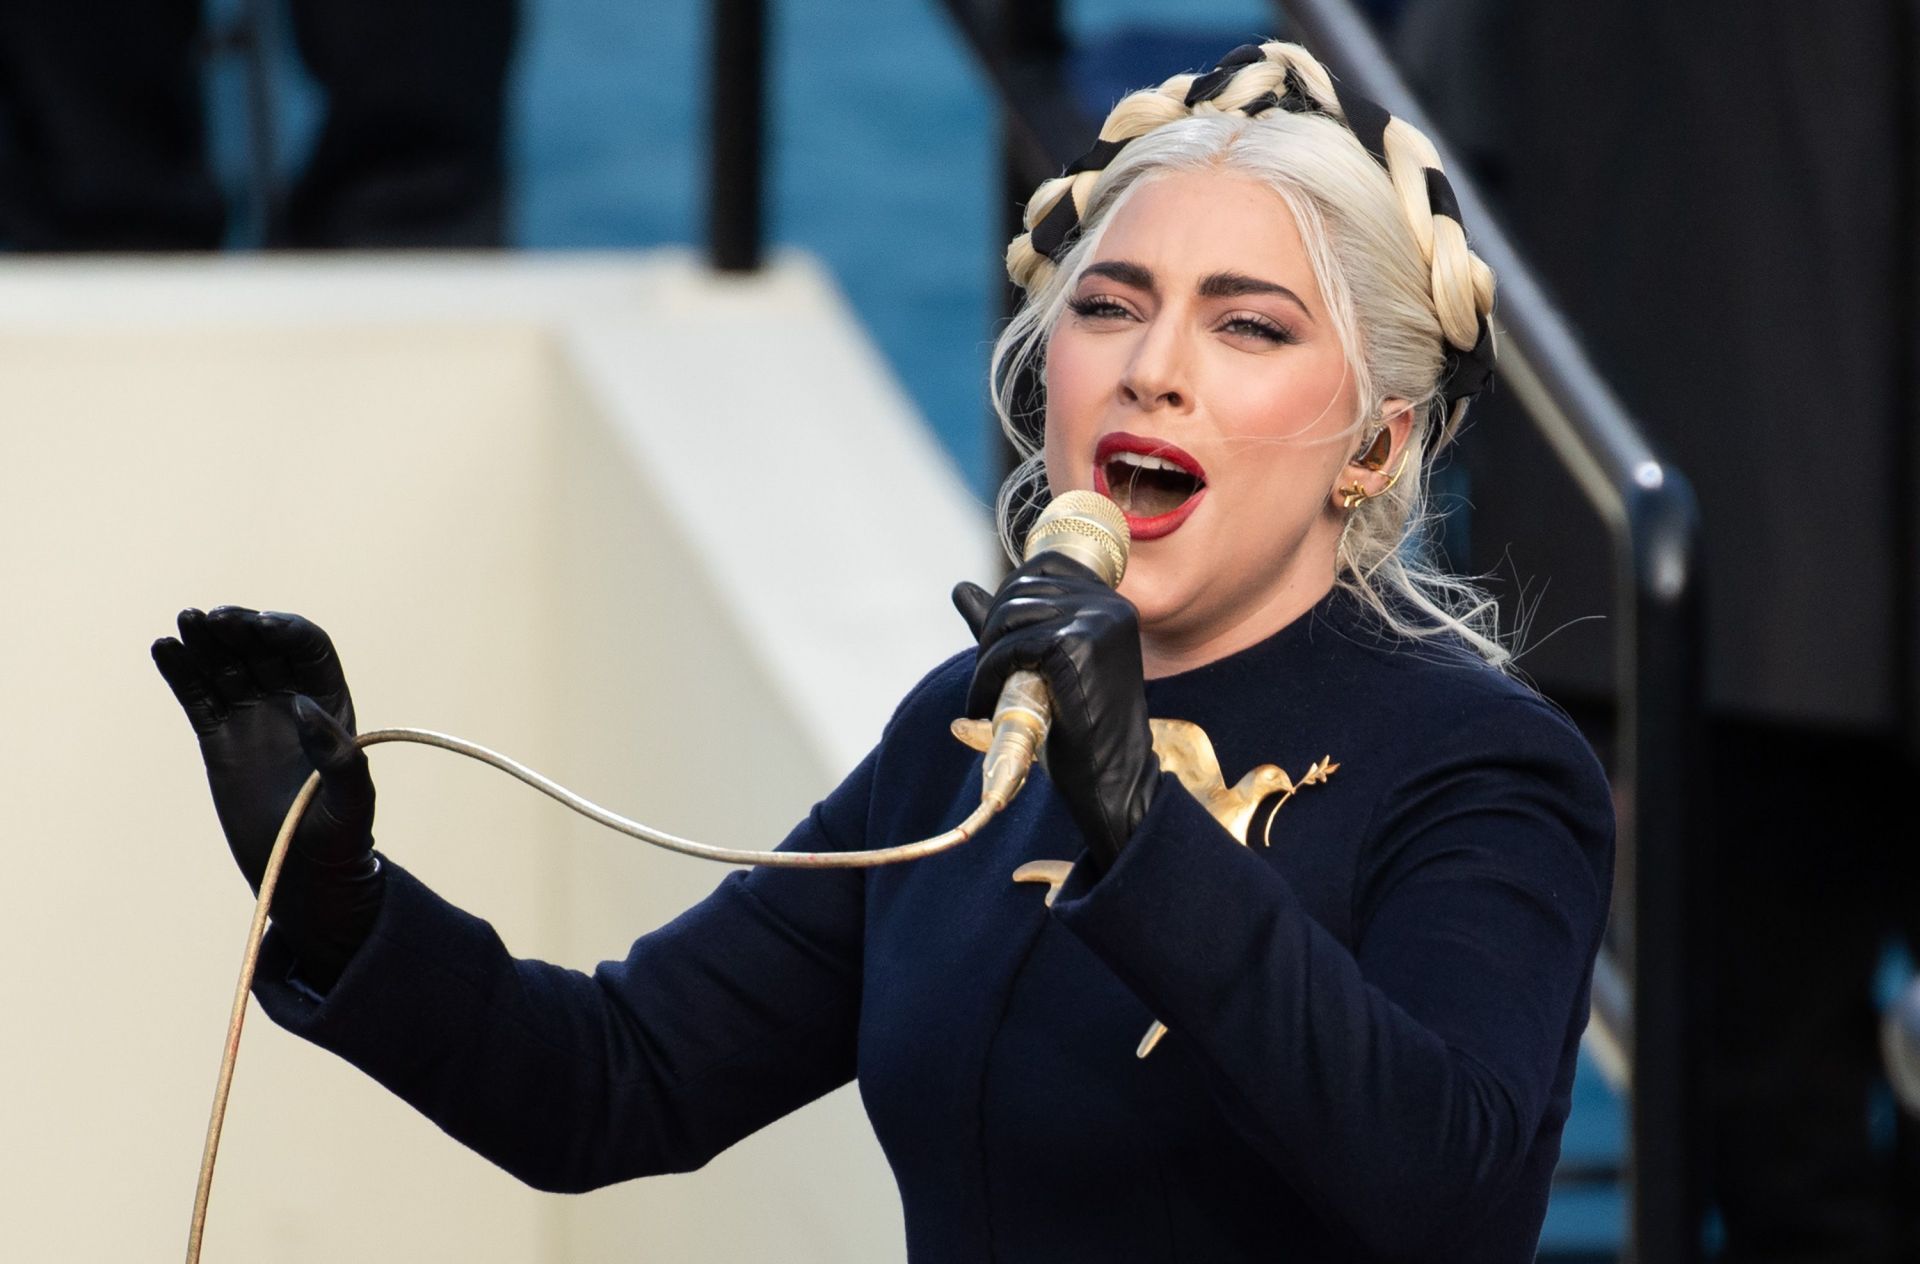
{"points": [[1186, 751]]}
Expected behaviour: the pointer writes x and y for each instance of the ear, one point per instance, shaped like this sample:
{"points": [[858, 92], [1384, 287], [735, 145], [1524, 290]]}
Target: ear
{"points": [[1397, 416], [1373, 465]]}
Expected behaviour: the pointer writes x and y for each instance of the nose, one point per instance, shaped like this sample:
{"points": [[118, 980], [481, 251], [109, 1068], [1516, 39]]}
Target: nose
{"points": [[1156, 374]]}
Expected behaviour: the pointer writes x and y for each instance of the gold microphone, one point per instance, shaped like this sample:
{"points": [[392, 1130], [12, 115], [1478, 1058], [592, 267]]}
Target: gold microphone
{"points": [[1091, 530]]}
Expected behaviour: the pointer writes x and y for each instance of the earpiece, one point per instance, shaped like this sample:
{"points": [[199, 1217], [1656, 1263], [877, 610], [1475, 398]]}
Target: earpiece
{"points": [[1375, 450]]}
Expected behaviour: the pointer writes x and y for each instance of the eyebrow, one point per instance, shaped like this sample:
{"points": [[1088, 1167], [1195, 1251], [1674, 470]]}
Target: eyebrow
{"points": [[1214, 285]]}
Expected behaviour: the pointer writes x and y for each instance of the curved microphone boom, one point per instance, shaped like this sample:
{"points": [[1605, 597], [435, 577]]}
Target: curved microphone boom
{"points": [[1091, 530]]}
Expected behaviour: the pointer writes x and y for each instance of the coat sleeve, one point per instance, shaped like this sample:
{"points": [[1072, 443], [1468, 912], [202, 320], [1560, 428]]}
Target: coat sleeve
{"points": [[742, 1009], [1397, 1085]]}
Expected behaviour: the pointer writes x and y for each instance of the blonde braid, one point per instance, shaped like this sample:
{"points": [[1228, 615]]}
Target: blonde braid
{"points": [[1137, 114], [1250, 80], [1462, 283]]}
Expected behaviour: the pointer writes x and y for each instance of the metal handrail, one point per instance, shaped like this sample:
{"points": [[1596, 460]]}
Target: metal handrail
{"points": [[1647, 993]]}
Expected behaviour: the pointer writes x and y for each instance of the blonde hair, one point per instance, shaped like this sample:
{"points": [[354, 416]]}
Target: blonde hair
{"points": [[1398, 277]]}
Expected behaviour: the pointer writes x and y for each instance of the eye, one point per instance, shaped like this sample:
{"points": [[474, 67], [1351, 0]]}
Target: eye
{"points": [[1262, 328], [1097, 307]]}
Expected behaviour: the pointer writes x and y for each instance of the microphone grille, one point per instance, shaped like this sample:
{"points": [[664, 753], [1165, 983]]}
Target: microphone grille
{"points": [[1088, 528]]}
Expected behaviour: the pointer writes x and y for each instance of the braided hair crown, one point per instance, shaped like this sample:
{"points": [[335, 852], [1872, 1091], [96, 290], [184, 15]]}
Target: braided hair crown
{"points": [[1249, 81], [1382, 230]]}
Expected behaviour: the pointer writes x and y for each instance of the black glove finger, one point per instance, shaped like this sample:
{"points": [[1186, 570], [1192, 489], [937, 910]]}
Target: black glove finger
{"points": [[346, 787], [1024, 649], [239, 630], [191, 688], [973, 602], [1053, 579], [1062, 650], [221, 665], [310, 658], [1057, 565], [1026, 608], [1034, 607], [1053, 569]]}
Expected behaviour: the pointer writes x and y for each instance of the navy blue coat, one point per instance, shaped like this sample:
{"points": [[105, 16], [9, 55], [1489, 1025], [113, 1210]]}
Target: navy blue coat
{"points": [[1374, 1020]]}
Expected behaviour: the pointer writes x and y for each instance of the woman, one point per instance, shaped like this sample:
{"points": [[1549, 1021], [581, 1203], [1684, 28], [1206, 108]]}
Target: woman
{"points": [[1258, 319]]}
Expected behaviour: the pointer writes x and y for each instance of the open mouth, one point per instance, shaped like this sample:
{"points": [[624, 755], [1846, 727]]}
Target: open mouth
{"points": [[1155, 484]]}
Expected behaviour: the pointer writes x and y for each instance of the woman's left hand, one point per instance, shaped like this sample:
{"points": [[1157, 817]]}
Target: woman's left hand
{"points": [[1055, 617]]}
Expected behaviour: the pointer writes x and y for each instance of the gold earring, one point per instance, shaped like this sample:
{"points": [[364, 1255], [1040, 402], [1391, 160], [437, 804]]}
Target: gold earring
{"points": [[1398, 470], [1353, 493]]}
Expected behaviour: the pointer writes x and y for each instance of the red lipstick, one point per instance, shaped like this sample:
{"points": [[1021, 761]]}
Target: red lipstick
{"points": [[1112, 445]]}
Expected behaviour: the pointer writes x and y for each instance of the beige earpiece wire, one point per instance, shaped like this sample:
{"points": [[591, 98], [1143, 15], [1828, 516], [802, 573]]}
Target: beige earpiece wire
{"points": [[256, 932]]}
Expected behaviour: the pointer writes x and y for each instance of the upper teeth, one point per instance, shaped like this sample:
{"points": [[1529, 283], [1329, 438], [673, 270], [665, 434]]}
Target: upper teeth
{"points": [[1146, 462]]}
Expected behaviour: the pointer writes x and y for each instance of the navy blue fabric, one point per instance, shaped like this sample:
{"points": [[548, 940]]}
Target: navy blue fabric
{"points": [[1374, 1020]]}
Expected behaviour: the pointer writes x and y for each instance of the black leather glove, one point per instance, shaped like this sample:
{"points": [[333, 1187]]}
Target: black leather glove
{"points": [[267, 700], [1054, 616]]}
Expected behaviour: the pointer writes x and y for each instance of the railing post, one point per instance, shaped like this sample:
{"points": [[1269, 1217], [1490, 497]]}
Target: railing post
{"points": [[1669, 884], [1025, 34], [736, 113]]}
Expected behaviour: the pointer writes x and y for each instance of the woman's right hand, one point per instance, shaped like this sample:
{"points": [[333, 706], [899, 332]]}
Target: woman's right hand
{"points": [[266, 697]]}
